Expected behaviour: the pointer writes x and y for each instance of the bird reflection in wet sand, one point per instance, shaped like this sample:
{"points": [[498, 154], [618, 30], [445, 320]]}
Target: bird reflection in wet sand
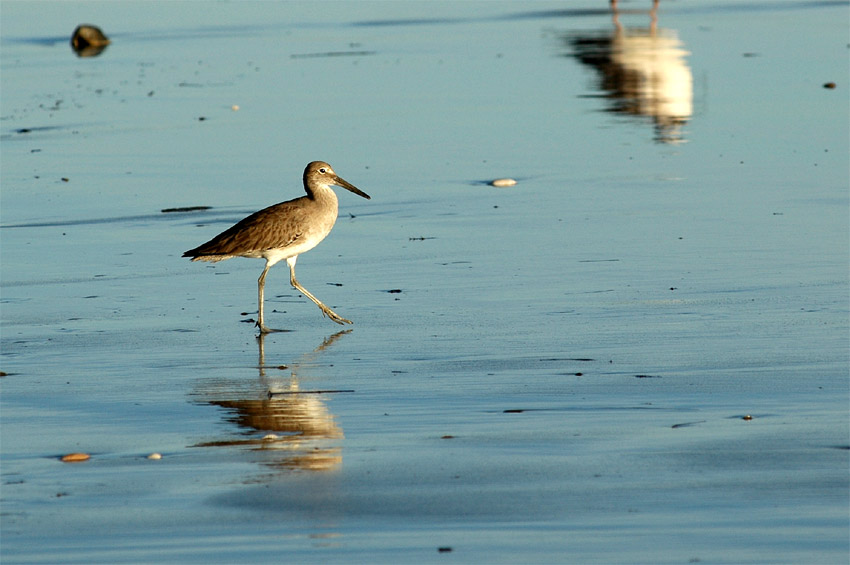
{"points": [[643, 72], [291, 425]]}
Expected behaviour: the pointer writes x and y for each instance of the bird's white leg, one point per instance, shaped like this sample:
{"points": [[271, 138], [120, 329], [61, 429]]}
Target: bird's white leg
{"points": [[325, 310], [261, 284]]}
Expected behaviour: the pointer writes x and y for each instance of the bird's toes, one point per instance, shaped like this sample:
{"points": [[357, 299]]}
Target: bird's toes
{"points": [[338, 319]]}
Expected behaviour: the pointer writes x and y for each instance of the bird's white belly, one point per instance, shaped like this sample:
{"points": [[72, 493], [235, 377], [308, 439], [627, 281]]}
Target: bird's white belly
{"points": [[297, 248]]}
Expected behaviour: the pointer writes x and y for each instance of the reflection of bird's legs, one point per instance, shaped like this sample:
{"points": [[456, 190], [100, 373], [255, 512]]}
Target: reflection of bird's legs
{"points": [[614, 4], [653, 15], [330, 339], [325, 310], [261, 346]]}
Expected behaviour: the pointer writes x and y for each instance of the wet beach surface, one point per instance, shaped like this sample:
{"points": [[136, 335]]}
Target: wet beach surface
{"points": [[636, 354]]}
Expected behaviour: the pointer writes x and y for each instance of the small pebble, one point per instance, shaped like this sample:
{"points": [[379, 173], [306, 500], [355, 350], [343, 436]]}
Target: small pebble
{"points": [[747, 417], [829, 85], [502, 182], [155, 456], [75, 457], [235, 107]]}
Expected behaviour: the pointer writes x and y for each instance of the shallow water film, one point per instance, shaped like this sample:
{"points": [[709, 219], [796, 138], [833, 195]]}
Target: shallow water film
{"points": [[600, 291]]}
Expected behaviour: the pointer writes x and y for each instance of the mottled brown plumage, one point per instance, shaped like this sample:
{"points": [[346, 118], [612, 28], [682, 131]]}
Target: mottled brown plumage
{"points": [[283, 231], [275, 227]]}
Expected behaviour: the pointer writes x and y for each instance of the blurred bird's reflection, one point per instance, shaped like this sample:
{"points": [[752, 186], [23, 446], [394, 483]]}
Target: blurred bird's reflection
{"points": [[643, 72], [292, 428]]}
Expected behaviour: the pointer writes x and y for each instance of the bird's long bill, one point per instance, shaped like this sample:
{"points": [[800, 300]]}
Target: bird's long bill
{"points": [[345, 184]]}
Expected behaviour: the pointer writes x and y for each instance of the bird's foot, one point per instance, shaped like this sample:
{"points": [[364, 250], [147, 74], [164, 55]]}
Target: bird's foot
{"points": [[264, 330], [335, 317]]}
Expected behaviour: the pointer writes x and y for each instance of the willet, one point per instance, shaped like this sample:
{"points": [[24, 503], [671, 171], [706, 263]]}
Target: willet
{"points": [[283, 231]]}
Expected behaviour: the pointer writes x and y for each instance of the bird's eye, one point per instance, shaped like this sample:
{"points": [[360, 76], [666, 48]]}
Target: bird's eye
{"points": [[323, 170]]}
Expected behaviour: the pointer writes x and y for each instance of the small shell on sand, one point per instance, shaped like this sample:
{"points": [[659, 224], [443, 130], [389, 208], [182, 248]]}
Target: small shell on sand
{"points": [[75, 457], [502, 182], [235, 107], [88, 41], [155, 456], [88, 35]]}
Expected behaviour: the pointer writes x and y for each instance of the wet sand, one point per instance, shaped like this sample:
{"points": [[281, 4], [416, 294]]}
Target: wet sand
{"points": [[636, 354]]}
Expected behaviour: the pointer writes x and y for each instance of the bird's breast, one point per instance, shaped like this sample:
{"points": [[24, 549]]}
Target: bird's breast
{"points": [[300, 225]]}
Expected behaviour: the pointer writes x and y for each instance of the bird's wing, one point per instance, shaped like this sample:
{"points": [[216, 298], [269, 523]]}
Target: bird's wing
{"points": [[275, 227]]}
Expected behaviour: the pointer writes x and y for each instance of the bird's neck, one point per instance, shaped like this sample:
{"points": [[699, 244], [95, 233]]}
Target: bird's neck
{"points": [[324, 195]]}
